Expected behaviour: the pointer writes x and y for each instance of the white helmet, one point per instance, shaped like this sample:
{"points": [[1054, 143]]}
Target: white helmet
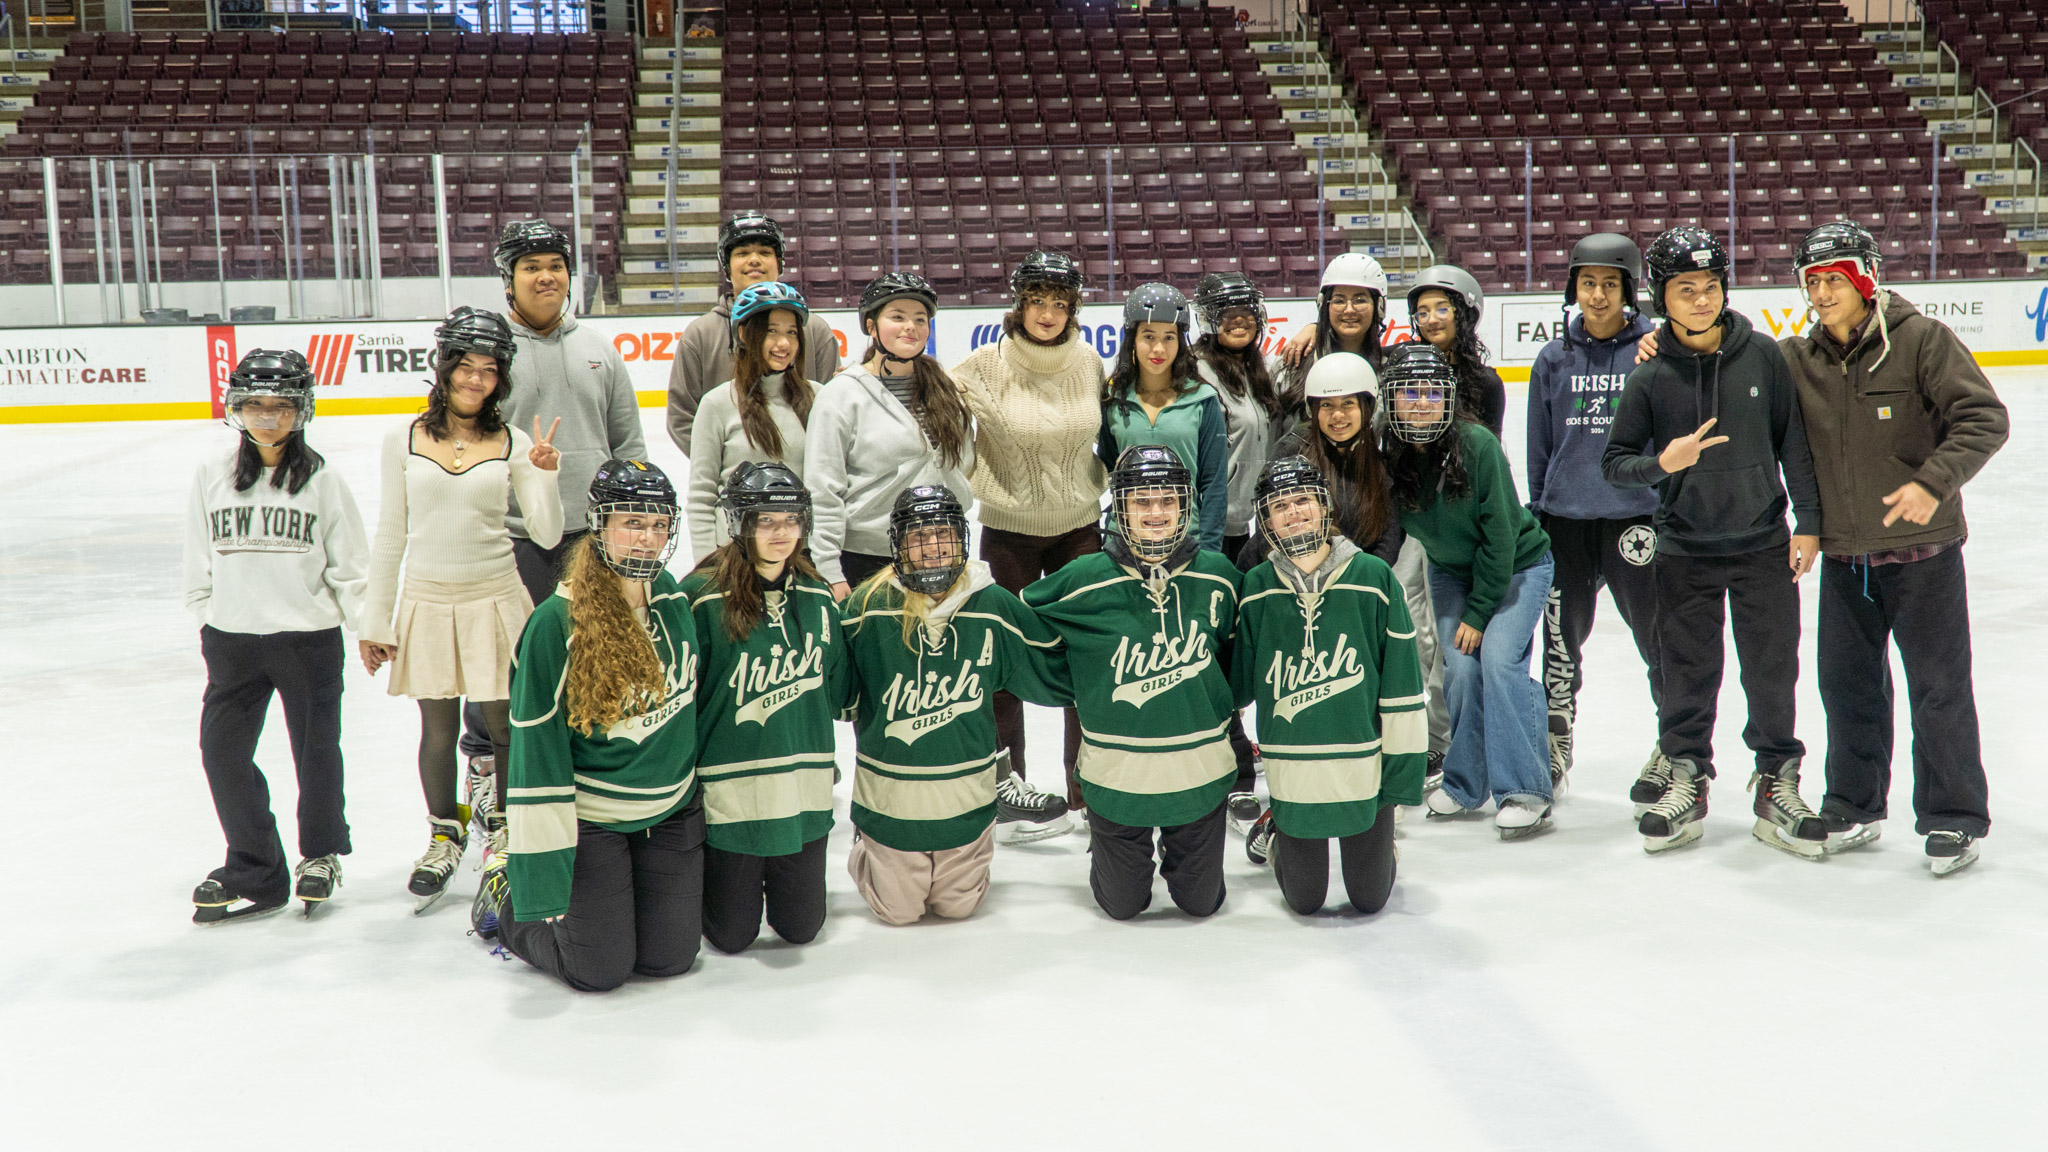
{"points": [[1340, 374], [1356, 270]]}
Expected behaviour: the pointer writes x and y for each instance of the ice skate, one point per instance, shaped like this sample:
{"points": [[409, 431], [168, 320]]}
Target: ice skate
{"points": [[1441, 805], [1433, 772], [1950, 852], [1845, 833], [1520, 817], [1783, 820], [213, 903], [1258, 842], [1560, 752], [1024, 814], [431, 871], [491, 895], [1242, 810], [481, 780], [495, 835], [318, 877], [1675, 819], [1649, 787]]}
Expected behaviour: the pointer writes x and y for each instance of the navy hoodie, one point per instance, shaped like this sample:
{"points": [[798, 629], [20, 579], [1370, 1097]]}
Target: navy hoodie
{"points": [[1573, 392], [1732, 501]]}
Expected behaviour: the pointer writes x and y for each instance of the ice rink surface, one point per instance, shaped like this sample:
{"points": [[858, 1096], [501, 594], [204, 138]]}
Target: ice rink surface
{"points": [[1567, 992]]}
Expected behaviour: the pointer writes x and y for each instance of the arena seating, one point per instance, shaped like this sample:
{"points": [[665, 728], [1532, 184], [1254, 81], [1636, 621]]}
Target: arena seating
{"points": [[507, 110], [2004, 47], [1586, 118], [1146, 143]]}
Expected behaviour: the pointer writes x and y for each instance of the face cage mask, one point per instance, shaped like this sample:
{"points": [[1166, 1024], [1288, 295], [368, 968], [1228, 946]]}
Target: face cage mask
{"points": [[1153, 551], [1407, 428], [1301, 543], [231, 405], [633, 567], [742, 525], [932, 582]]}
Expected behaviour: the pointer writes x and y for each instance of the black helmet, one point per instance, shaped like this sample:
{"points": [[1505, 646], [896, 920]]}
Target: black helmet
{"points": [[1050, 269], [1285, 477], [927, 506], [1147, 468], [756, 488], [1219, 292], [1416, 365], [523, 238], [1688, 248], [284, 375], [627, 487], [1606, 250], [476, 330], [896, 286], [1839, 241], [749, 226]]}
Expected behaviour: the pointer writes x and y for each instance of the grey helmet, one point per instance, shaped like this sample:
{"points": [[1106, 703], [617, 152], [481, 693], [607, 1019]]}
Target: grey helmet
{"points": [[1451, 279], [1158, 304], [1606, 250]]}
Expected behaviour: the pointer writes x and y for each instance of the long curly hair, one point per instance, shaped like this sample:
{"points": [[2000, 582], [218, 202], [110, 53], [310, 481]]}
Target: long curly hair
{"points": [[1468, 359], [613, 670], [732, 572], [748, 368]]}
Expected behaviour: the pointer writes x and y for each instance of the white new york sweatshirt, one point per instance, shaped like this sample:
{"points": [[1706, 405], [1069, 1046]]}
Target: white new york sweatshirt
{"points": [[267, 560]]}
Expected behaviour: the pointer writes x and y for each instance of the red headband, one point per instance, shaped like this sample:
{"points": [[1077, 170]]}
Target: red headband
{"points": [[1866, 284]]}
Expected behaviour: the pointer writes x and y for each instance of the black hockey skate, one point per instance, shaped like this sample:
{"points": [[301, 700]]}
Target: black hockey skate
{"points": [[1242, 810], [1675, 819], [1025, 814], [491, 895], [1783, 820], [1649, 787], [1258, 843], [431, 871], [481, 779], [1433, 772], [1950, 852], [318, 877], [1847, 832], [213, 903]]}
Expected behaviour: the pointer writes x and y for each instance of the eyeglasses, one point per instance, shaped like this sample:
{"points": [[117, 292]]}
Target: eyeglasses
{"points": [[1440, 312]]}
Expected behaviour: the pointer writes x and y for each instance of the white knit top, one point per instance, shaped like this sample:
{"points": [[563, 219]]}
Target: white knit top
{"points": [[1037, 411], [449, 527]]}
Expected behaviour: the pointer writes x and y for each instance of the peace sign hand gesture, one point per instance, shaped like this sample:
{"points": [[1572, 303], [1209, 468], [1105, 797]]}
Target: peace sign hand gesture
{"points": [[543, 453]]}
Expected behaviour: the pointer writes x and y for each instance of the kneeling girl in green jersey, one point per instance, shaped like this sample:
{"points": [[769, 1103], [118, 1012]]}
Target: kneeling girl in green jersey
{"points": [[605, 854], [775, 676], [1153, 615], [933, 638], [1326, 650]]}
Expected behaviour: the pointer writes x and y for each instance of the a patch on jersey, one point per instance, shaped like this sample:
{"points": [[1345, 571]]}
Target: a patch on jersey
{"points": [[1637, 545]]}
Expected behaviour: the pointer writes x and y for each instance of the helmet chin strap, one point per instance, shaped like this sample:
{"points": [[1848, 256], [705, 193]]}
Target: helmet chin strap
{"points": [[889, 358], [1689, 331]]}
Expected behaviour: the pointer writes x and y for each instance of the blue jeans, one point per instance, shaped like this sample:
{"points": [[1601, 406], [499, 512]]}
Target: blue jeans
{"points": [[1499, 742]]}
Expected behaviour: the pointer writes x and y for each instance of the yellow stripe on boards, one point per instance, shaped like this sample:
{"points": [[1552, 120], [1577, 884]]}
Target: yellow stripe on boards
{"points": [[1155, 773], [777, 796], [1323, 781], [96, 413], [924, 799]]}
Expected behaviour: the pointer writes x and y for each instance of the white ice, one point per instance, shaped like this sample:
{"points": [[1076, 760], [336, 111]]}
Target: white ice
{"points": [[1565, 992]]}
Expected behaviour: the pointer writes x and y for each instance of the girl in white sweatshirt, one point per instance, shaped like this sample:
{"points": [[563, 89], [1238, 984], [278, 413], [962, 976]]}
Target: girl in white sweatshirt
{"points": [[274, 558], [894, 422], [758, 416]]}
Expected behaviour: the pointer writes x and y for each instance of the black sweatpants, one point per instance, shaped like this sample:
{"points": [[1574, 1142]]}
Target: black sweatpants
{"points": [[1190, 857], [1303, 867], [1924, 608], [1757, 590], [242, 670], [1590, 555], [540, 569], [736, 886], [1016, 560], [636, 904]]}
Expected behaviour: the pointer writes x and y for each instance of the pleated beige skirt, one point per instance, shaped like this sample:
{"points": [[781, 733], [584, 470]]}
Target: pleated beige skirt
{"points": [[458, 639]]}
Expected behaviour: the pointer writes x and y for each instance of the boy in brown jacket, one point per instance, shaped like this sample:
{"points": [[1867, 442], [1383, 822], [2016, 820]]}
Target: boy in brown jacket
{"points": [[1899, 417]]}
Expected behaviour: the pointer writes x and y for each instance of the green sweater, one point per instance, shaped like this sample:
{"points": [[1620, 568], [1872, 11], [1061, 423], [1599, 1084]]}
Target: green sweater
{"points": [[925, 727], [1484, 537], [1156, 706], [765, 708], [631, 776], [1329, 658]]}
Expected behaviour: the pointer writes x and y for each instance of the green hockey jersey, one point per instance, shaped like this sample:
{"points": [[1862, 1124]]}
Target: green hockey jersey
{"points": [[765, 712], [925, 779], [1156, 699], [1330, 660], [632, 775]]}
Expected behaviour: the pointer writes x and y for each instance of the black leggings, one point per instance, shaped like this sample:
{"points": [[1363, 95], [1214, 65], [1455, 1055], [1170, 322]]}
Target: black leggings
{"points": [[440, 770], [1190, 858], [736, 886], [636, 904], [1303, 867]]}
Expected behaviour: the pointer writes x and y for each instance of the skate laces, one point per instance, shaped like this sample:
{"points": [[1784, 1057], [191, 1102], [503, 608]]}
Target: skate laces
{"points": [[1679, 795], [441, 856], [1015, 792], [1783, 791], [319, 867]]}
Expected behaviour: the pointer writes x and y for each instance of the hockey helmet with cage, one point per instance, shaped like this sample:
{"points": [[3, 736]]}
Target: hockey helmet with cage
{"points": [[632, 488], [1412, 373], [1221, 292], [1150, 468], [927, 506], [1281, 480]]}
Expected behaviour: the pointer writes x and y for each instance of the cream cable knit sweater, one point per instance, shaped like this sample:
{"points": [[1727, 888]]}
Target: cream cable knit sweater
{"points": [[1037, 411]]}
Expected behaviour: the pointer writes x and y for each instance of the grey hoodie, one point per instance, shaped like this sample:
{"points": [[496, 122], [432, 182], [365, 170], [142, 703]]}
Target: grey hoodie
{"points": [[576, 374], [861, 449]]}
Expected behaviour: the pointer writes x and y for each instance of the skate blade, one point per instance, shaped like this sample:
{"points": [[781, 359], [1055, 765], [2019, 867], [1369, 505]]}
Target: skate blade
{"points": [[1022, 833], [228, 914], [422, 903], [1686, 835], [1839, 842], [1509, 835], [1950, 865], [1775, 836]]}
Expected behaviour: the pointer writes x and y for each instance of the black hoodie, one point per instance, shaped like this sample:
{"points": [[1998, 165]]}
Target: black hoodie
{"points": [[1732, 501]]}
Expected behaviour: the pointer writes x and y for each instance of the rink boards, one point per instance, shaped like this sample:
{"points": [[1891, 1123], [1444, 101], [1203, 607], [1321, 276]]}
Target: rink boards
{"points": [[135, 372]]}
